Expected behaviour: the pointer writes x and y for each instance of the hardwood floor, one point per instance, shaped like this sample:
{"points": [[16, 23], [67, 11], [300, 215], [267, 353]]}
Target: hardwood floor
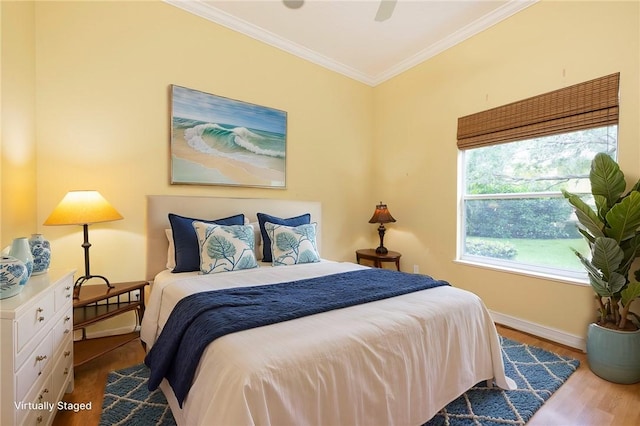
{"points": [[90, 379], [584, 400]]}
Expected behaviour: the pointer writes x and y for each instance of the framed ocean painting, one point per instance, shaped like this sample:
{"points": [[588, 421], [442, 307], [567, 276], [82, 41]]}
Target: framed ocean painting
{"points": [[221, 141]]}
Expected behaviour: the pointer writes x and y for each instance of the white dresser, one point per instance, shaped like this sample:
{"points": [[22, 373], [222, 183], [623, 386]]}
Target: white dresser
{"points": [[36, 354]]}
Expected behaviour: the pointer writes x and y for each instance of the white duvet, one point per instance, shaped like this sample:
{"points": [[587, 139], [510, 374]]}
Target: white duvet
{"points": [[391, 362]]}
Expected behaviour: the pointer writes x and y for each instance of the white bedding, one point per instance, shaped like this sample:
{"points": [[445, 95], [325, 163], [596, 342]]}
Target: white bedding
{"points": [[391, 362]]}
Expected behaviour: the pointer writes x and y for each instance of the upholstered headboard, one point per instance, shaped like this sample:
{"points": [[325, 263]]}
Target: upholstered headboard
{"points": [[159, 206]]}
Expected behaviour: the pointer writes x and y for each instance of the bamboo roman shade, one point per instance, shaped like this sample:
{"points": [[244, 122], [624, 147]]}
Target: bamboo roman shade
{"points": [[586, 105]]}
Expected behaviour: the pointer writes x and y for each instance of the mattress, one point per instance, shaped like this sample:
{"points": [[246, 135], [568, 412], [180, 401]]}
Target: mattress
{"points": [[393, 361]]}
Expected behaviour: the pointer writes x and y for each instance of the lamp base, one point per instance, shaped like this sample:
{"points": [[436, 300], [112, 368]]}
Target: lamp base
{"points": [[382, 250], [87, 275]]}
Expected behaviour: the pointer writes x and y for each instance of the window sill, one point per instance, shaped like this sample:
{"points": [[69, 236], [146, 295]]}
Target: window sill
{"points": [[541, 275]]}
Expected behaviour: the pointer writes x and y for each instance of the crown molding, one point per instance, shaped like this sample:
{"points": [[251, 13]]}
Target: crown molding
{"points": [[218, 16], [204, 10], [476, 27]]}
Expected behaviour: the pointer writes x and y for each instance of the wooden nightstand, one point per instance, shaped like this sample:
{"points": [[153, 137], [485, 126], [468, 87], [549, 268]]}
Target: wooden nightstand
{"points": [[378, 258], [99, 302]]}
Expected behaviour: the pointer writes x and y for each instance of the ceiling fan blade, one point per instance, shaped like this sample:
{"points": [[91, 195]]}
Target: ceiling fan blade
{"points": [[385, 10], [293, 4]]}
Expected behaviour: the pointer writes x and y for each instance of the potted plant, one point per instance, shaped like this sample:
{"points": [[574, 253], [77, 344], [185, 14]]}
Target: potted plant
{"points": [[612, 231]]}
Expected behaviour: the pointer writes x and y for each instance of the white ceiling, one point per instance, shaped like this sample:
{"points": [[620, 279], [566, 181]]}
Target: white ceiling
{"points": [[343, 36]]}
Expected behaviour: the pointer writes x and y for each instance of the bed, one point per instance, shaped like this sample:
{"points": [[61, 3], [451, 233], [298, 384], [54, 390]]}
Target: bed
{"points": [[395, 361]]}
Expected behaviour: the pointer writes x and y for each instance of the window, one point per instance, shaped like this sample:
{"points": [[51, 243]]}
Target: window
{"points": [[512, 211]]}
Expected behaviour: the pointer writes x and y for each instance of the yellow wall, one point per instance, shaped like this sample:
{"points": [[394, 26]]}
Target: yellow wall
{"points": [[103, 76], [17, 118], [98, 76], [545, 47]]}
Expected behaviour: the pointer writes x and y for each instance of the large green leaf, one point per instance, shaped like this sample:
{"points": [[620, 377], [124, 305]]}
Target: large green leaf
{"points": [[602, 206], [616, 282], [587, 217], [624, 218], [630, 293], [599, 286], [591, 270], [590, 238], [606, 178], [631, 249], [606, 255]]}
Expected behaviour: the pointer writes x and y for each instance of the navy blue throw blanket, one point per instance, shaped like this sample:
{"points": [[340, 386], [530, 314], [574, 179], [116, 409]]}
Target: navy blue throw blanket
{"points": [[200, 318]]}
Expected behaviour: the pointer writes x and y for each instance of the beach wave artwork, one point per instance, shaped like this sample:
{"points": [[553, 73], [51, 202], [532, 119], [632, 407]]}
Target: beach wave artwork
{"points": [[222, 141]]}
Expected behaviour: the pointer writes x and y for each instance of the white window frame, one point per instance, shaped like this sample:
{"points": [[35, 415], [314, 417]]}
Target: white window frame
{"points": [[556, 274]]}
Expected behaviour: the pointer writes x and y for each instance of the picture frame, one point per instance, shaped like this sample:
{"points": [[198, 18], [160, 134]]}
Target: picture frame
{"points": [[221, 141]]}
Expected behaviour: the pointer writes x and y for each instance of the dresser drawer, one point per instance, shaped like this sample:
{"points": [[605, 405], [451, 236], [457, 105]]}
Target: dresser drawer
{"points": [[33, 369], [63, 295], [63, 327], [44, 399], [63, 370], [36, 318]]}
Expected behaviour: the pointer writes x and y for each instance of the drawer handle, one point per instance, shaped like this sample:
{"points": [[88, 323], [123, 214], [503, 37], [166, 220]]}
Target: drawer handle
{"points": [[39, 419], [67, 331], [66, 371], [67, 318], [40, 319], [39, 310], [41, 358], [68, 295], [67, 353], [42, 396], [68, 287]]}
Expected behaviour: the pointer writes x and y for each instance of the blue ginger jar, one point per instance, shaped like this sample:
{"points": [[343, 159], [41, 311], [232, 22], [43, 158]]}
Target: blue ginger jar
{"points": [[21, 251], [13, 276], [41, 251]]}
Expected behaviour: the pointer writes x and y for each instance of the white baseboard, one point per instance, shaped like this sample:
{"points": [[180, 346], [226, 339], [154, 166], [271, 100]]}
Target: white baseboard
{"points": [[542, 331]]}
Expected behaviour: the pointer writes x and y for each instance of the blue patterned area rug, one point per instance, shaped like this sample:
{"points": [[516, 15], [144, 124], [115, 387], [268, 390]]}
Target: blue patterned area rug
{"points": [[538, 373], [127, 401]]}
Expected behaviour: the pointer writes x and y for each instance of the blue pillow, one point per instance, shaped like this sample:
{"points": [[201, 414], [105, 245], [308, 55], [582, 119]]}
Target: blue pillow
{"points": [[185, 239], [263, 218]]}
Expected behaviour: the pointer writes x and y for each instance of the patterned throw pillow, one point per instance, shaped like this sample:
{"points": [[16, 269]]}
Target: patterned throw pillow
{"points": [[187, 258], [263, 218], [225, 248], [291, 245]]}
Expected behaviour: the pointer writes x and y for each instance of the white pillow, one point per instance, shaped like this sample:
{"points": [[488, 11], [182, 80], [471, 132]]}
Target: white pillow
{"points": [[258, 240], [171, 250], [225, 248], [292, 245]]}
